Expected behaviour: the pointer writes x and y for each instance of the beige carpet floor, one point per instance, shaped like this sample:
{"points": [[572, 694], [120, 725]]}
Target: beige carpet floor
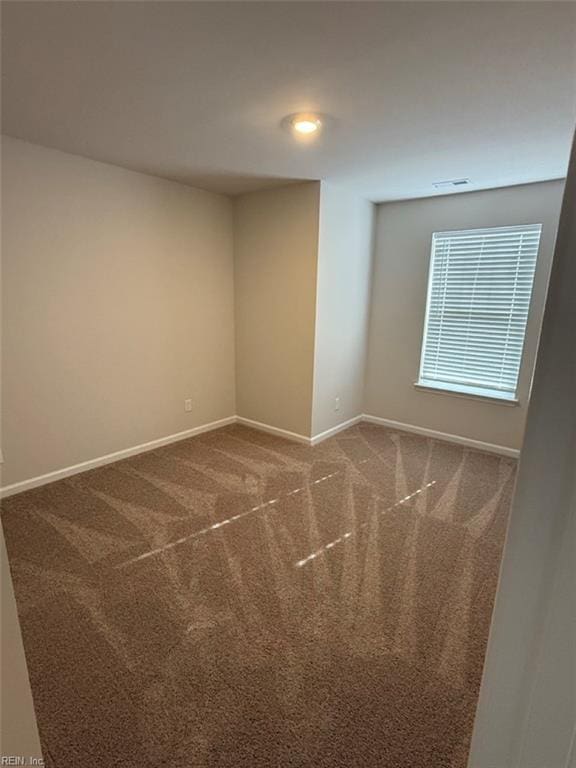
{"points": [[240, 601]]}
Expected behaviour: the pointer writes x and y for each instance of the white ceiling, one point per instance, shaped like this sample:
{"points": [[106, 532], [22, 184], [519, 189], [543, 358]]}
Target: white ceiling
{"points": [[418, 92]]}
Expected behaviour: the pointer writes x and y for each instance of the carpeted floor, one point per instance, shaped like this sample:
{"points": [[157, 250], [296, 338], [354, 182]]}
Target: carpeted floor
{"points": [[240, 601]]}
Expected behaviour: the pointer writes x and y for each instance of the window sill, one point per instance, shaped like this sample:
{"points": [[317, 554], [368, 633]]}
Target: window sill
{"points": [[444, 390]]}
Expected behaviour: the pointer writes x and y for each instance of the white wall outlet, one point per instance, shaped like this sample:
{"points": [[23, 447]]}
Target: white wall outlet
{"points": [[336, 403], [188, 405]]}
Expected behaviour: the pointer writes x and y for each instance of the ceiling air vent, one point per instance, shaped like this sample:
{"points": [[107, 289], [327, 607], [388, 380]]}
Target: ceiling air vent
{"points": [[451, 183]]}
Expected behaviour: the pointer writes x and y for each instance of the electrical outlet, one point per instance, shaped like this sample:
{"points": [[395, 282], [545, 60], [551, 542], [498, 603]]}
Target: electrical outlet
{"points": [[188, 405], [336, 404]]}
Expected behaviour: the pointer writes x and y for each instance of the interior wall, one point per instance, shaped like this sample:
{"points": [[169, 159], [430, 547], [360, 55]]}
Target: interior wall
{"points": [[276, 244], [117, 305], [526, 714], [18, 728], [342, 305], [401, 261]]}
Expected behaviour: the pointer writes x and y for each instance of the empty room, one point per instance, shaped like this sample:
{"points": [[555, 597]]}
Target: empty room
{"points": [[288, 384]]}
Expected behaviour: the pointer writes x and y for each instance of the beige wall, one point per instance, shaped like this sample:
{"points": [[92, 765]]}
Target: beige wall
{"points": [[402, 254], [125, 294], [342, 303], [18, 729], [117, 305], [526, 713], [276, 244]]}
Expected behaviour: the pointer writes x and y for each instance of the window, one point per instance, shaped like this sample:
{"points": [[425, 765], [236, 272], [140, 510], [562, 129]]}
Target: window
{"points": [[479, 291]]}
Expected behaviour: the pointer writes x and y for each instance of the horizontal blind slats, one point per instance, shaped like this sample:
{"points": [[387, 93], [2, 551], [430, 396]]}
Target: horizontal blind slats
{"points": [[479, 293]]}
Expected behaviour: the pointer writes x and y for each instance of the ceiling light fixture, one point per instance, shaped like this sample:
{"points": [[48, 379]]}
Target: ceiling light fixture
{"points": [[307, 124], [304, 125]]}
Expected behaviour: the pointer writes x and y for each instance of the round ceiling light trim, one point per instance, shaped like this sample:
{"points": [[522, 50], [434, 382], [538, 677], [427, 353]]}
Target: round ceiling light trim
{"points": [[304, 125]]}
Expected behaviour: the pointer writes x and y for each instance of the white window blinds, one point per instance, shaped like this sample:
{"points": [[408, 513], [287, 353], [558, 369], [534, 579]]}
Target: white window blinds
{"points": [[479, 291]]}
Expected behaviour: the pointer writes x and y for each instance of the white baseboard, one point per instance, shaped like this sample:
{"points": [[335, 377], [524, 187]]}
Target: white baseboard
{"points": [[502, 450], [334, 430], [294, 436], [273, 430], [60, 474]]}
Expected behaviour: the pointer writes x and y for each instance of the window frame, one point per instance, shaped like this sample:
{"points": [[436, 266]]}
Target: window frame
{"points": [[462, 390]]}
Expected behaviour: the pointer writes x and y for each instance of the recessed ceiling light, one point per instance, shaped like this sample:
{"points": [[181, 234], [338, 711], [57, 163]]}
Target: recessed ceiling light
{"points": [[304, 125]]}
